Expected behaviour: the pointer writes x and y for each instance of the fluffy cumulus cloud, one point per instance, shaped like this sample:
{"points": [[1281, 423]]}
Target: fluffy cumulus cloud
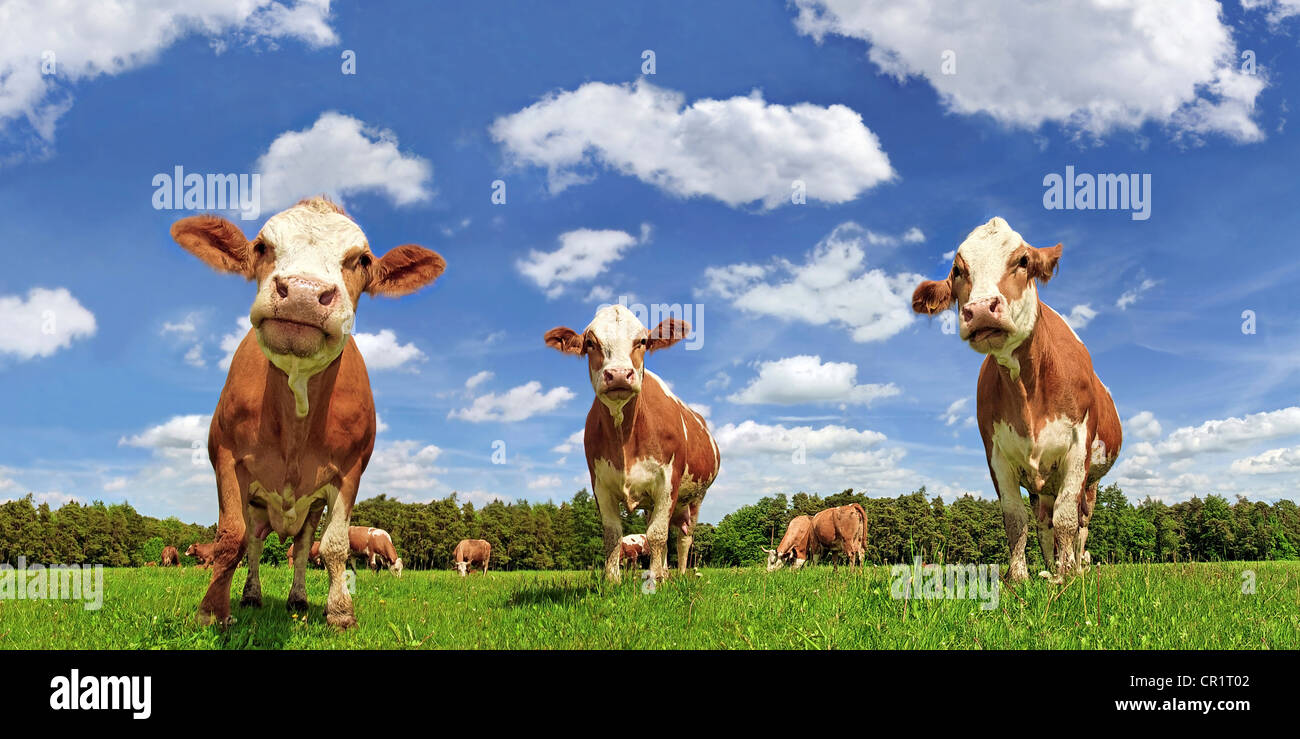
{"points": [[1079, 316], [177, 477], [806, 379], [42, 323], [571, 442], [583, 255], [1277, 10], [516, 404], [341, 156], [1270, 462], [1144, 426], [740, 150], [402, 468], [833, 285], [383, 351], [230, 342], [1090, 65], [956, 413], [1231, 433], [92, 40]]}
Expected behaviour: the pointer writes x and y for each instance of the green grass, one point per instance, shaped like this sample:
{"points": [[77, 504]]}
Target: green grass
{"points": [[1185, 606]]}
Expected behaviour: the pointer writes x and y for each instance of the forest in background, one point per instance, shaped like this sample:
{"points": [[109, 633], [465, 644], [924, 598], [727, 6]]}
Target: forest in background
{"points": [[567, 536]]}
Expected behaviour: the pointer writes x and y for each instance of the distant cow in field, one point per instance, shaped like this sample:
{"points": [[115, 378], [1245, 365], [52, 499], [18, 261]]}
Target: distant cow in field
{"points": [[313, 556], [204, 552], [633, 546], [1049, 425], [794, 545], [645, 448], [151, 563], [376, 547], [471, 552], [840, 531], [294, 427], [171, 557]]}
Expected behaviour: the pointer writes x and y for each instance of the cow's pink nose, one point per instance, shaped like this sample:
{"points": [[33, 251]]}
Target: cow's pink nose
{"points": [[612, 376], [301, 290], [991, 308]]}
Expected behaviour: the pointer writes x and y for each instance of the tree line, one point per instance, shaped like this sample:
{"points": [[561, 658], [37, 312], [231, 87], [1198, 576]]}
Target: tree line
{"points": [[567, 536]]}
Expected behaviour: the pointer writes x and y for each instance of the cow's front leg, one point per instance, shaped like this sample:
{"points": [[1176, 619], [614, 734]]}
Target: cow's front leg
{"points": [[1013, 514], [612, 531], [253, 545], [1043, 507], [1065, 515], [334, 550], [229, 546], [686, 538], [656, 535]]}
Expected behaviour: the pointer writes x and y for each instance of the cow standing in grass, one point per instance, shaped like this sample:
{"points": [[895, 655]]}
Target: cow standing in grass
{"points": [[794, 546], [1049, 425], [645, 448], [295, 425], [204, 552], [840, 531], [170, 557], [470, 553]]}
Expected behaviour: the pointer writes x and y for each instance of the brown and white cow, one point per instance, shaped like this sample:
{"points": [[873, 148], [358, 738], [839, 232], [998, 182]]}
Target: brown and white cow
{"points": [[1049, 425], [204, 552], [633, 547], [841, 531], [376, 547], [313, 556], [471, 552], [645, 448], [171, 557], [794, 545], [295, 425]]}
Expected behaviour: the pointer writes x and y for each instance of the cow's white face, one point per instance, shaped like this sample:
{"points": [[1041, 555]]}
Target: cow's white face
{"points": [[615, 344], [993, 285], [462, 568], [311, 266], [774, 560]]}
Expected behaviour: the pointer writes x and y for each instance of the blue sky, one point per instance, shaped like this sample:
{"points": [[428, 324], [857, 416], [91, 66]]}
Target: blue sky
{"points": [[664, 188]]}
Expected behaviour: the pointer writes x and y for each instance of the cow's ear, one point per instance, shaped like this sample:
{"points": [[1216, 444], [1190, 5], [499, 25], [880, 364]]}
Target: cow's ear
{"points": [[932, 296], [668, 332], [1044, 262], [564, 339], [405, 269], [218, 242]]}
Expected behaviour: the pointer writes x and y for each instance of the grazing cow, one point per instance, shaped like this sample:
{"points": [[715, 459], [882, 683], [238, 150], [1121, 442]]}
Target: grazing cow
{"points": [[470, 552], [840, 531], [295, 425], [204, 552], [1049, 425], [633, 546], [171, 557], [794, 545], [645, 448], [376, 547], [151, 563], [313, 556]]}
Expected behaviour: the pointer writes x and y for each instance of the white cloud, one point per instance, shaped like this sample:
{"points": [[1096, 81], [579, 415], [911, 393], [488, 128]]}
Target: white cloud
{"points": [[194, 357], [956, 412], [1130, 296], [380, 426], [571, 442], [806, 379], [516, 404], [750, 438], [544, 482], [833, 286], [1270, 462], [583, 254], [92, 41], [230, 342], [340, 156], [739, 151], [403, 467], [720, 381], [477, 379], [1278, 10], [1089, 65], [1080, 316], [383, 351], [116, 483], [185, 328], [1144, 426], [42, 323], [1231, 433], [178, 432]]}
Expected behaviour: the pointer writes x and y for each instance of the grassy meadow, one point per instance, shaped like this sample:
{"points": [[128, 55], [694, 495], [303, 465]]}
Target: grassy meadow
{"points": [[1158, 606]]}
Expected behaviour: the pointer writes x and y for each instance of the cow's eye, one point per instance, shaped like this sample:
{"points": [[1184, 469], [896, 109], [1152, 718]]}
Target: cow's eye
{"points": [[364, 261], [1024, 261], [259, 249]]}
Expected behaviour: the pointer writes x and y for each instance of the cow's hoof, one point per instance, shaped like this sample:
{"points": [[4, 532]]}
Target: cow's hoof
{"points": [[296, 604], [342, 622], [251, 601], [208, 618]]}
